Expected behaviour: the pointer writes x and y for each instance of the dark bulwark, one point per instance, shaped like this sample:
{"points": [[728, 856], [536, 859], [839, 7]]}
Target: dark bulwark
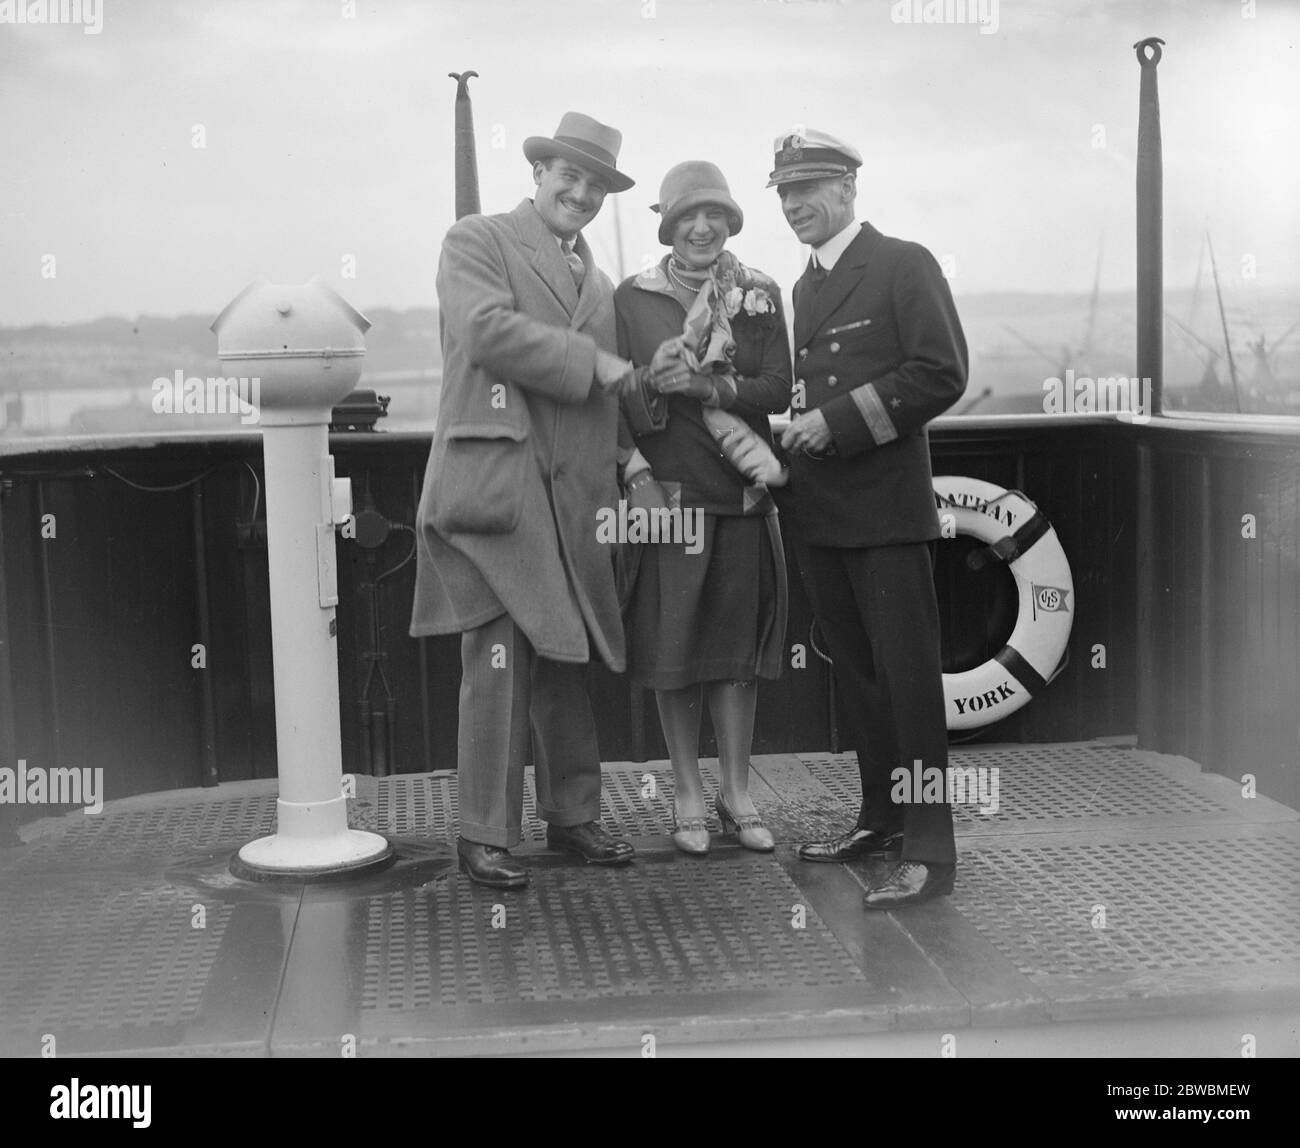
{"points": [[102, 617]]}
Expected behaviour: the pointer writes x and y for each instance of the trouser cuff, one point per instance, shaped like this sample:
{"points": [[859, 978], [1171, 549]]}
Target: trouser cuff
{"points": [[575, 815], [504, 837]]}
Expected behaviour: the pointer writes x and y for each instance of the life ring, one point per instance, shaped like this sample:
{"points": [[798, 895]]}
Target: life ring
{"points": [[1015, 531]]}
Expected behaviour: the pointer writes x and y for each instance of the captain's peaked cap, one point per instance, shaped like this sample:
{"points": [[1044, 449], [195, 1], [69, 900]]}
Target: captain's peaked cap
{"points": [[811, 155]]}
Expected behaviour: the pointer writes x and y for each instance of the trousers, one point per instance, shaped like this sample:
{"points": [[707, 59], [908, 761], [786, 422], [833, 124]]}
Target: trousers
{"points": [[509, 695], [877, 612]]}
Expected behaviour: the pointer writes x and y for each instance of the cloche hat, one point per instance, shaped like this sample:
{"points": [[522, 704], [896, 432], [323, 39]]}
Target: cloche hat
{"points": [[693, 184]]}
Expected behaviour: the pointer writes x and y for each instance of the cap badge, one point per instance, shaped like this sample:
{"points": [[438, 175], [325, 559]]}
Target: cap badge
{"points": [[793, 150]]}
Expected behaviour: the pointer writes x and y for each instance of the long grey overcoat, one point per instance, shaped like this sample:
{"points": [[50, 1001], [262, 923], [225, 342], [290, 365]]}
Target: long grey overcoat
{"points": [[523, 456]]}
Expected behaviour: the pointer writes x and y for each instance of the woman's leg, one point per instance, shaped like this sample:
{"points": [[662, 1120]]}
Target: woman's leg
{"points": [[732, 706], [679, 713]]}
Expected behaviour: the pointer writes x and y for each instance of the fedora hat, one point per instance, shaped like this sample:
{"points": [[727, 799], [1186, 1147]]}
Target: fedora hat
{"points": [[690, 185], [584, 141]]}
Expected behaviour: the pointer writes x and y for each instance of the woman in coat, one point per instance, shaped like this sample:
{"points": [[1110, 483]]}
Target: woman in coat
{"points": [[709, 341]]}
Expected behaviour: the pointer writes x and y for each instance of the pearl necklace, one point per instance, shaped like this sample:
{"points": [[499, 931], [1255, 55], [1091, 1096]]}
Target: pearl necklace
{"points": [[681, 285]]}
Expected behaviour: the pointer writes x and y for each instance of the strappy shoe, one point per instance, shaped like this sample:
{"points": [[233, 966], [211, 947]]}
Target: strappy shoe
{"points": [[749, 827], [691, 834]]}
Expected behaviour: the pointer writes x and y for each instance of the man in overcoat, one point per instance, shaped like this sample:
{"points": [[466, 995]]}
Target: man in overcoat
{"points": [[522, 459], [879, 352]]}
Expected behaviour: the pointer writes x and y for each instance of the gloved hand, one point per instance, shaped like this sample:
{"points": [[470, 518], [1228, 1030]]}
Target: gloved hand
{"points": [[744, 449], [643, 490]]}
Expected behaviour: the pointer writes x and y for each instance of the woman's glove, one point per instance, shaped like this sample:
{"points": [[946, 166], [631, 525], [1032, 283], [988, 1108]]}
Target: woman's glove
{"points": [[744, 449], [643, 490], [671, 373], [757, 463], [687, 382]]}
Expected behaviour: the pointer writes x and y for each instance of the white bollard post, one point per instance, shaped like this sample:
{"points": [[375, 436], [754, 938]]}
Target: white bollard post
{"points": [[305, 342]]}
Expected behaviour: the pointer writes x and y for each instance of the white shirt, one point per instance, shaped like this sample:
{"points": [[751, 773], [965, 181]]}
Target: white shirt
{"points": [[560, 239], [828, 254]]}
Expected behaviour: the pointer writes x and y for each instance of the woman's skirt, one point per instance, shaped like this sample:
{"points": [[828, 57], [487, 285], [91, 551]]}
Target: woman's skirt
{"points": [[715, 615]]}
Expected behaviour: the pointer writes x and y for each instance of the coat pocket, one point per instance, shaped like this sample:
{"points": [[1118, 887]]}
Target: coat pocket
{"points": [[480, 488]]}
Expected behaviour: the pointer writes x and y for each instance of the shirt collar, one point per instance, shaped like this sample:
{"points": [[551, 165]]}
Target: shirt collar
{"points": [[557, 238], [828, 254]]}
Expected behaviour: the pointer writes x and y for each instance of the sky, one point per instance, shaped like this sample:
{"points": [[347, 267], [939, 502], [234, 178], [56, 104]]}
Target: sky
{"points": [[326, 132]]}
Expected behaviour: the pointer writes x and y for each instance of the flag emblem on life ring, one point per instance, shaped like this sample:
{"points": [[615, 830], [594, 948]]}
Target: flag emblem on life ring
{"points": [[1049, 599]]}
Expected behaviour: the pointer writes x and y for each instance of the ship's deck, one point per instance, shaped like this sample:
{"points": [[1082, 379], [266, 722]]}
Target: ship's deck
{"points": [[125, 934]]}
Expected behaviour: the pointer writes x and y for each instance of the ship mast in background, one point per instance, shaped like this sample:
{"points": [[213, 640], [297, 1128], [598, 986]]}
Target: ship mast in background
{"points": [[466, 170]]}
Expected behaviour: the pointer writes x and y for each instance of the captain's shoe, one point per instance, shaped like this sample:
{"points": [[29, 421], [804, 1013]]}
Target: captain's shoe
{"points": [[910, 883], [854, 844], [591, 841]]}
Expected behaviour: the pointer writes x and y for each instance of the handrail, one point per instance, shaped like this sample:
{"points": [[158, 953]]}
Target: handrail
{"points": [[1284, 426]]}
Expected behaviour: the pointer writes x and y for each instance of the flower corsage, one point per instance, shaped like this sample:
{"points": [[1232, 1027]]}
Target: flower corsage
{"points": [[746, 292]]}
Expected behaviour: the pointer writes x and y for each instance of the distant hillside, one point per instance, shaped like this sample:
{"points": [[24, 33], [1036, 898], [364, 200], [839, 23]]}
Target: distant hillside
{"points": [[1017, 341], [115, 353]]}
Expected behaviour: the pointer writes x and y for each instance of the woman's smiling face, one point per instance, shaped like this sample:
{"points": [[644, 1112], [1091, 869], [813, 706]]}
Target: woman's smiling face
{"points": [[700, 235]]}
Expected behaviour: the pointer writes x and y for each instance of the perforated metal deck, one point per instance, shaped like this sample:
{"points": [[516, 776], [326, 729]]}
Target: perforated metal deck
{"points": [[656, 928], [1107, 883]]}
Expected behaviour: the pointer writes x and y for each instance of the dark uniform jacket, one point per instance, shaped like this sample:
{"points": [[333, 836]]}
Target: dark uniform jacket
{"points": [[879, 350]]}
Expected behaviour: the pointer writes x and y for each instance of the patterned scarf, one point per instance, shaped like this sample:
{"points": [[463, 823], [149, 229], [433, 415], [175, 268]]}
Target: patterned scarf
{"points": [[707, 346], [707, 342]]}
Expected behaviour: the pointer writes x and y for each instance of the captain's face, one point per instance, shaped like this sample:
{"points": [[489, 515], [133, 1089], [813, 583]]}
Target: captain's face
{"points": [[568, 195], [817, 209]]}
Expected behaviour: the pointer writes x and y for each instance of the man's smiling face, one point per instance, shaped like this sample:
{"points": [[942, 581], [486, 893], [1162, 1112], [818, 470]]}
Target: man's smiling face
{"points": [[568, 195]]}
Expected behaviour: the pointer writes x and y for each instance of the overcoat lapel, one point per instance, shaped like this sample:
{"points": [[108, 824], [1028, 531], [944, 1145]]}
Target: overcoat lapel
{"points": [[546, 259], [593, 288], [843, 278]]}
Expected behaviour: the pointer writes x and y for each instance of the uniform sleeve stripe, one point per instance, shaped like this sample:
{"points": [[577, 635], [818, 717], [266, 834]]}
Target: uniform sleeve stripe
{"points": [[874, 414]]}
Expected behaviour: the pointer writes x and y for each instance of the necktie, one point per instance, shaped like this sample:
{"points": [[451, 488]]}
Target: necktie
{"points": [[576, 267], [819, 274]]}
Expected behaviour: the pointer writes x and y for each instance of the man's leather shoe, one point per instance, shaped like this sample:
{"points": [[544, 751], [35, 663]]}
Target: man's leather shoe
{"points": [[490, 865], [591, 841], [852, 845], [909, 883]]}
